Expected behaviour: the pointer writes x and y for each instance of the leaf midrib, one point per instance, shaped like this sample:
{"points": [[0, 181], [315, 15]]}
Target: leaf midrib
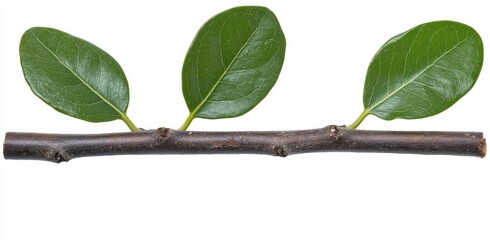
{"points": [[415, 77], [80, 78], [201, 104]]}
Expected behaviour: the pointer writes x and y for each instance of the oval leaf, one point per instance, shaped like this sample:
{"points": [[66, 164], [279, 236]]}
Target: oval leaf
{"points": [[233, 62], [73, 76], [423, 71]]}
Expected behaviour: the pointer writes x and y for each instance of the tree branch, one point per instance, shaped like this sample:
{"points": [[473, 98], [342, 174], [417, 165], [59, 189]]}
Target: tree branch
{"points": [[63, 147]]}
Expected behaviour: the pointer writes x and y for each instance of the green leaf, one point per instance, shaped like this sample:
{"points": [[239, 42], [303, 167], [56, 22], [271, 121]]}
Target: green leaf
{"points": [[74, 76], [422, 71], [233, 62]]}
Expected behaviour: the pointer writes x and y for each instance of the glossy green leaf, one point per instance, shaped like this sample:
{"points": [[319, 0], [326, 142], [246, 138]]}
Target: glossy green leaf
{"points": [[74, 76], [422, 71], [233, 62]]}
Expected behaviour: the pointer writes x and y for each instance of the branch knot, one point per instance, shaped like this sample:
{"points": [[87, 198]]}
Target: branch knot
{"points": [[60, 156], [162, 134], [280, 151], [334, 131]]}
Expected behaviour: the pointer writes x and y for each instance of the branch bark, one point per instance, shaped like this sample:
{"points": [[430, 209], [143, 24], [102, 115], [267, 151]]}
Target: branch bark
{"points": [[63, 147]]}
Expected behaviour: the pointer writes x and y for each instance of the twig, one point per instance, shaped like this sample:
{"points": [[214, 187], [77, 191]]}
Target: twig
{"points": [[63, 147]]}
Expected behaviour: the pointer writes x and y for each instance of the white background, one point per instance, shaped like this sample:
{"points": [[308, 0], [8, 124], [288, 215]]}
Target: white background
{"points": [[312, 196]]}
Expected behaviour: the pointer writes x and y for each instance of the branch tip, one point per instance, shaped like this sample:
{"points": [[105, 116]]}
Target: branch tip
{"points": [[483, 147]]}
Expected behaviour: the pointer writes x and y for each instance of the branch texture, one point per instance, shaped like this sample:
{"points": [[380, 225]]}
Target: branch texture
{"points": [[63, 147]]}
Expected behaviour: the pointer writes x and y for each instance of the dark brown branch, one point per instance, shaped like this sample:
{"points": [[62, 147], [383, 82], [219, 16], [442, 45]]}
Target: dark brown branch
{"points": [[63, 147]]}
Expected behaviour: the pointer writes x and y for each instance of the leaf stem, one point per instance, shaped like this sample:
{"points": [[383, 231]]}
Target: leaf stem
{"points": [[359, 120], [187, 122], [128, 122]]}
